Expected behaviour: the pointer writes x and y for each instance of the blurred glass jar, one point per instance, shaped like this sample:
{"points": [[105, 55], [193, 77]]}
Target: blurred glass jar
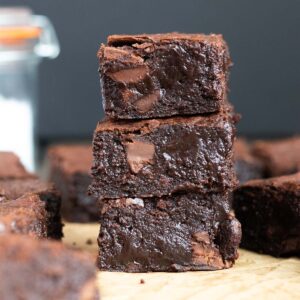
{"points": [[24, 40]]}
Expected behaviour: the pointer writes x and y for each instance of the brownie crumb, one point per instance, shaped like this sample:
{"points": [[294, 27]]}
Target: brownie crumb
{"points": [[142, 281], [89, 242]]}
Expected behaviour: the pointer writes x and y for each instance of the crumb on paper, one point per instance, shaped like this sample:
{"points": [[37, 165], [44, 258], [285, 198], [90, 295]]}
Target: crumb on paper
{"points": [[142, 281], [89, 242]]}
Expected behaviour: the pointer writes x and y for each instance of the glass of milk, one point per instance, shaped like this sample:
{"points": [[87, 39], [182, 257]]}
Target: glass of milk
{"points": [[24, 40]]}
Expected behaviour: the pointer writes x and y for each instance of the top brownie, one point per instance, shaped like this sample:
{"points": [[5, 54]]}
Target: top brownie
{"points": [[11, 167], [280, 157], [160, 75]]}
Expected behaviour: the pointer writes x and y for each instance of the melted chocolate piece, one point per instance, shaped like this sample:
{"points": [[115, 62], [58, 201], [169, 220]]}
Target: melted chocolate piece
{"points": [[269, 210], [182, 232], [161, 75], [139, 154]]}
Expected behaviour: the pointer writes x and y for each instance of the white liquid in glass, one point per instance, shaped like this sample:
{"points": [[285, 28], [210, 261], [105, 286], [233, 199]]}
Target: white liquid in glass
{"points": [[16, 129]]}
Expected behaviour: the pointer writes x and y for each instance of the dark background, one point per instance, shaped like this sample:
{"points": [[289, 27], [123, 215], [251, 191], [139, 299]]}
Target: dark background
{"points": [[263, 37]]}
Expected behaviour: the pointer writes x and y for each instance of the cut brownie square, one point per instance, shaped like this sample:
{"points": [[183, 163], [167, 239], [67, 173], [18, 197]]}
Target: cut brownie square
{"points": [[30, 206], [182, 232], [162, 156], [11, 167], [269, 211], [31, 269], [69, 169], [280, 157], [247, 166], [161, 75]]}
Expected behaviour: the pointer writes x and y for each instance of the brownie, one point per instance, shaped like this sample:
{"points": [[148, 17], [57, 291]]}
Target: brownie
{"points": [[280, 157], [182, 232], [247, 166], [161, 75], [269, 211], [30, 206], [11, 167], [31, 269], [162, 156], [69, 169]]}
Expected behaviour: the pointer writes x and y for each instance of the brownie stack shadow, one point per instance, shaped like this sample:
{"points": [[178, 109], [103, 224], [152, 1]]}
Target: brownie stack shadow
{"points": [[163, 157]]}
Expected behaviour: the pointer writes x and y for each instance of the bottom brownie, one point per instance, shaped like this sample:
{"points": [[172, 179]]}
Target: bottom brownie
{"points": [[31, 269], [182, 232], [269, 211], [30, 206]]}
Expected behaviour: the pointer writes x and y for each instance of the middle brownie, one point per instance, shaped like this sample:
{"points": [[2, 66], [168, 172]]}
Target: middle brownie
{"points": [[161, 156]]}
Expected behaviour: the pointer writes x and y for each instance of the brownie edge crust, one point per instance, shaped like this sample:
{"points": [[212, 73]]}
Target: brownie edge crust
{"points": [[182, 232]]}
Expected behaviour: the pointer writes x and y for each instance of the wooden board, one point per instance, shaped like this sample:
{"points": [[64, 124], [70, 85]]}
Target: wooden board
{"points": [[254, 276]]}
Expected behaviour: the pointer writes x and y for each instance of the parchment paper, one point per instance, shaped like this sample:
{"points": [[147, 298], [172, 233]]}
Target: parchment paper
{"points": [[254, 276]]}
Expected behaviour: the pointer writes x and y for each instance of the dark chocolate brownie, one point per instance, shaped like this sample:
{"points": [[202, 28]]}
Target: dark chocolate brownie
{"points": [[247, 166], [11, 167], [280, 157], [162, 156], [269, 211], [181, 232], [31, 269], [70, 167], [161, 75], [30, 206]]}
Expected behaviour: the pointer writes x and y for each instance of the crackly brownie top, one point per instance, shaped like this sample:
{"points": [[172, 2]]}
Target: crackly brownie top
{"points": [[288, 183], [11, 166], [44, 270], [221, 119], [120, 40], [12, 189], [71, 158]]}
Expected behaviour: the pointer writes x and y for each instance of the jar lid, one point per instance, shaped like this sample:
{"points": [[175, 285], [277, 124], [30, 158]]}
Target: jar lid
{"points": [[22, 31]]}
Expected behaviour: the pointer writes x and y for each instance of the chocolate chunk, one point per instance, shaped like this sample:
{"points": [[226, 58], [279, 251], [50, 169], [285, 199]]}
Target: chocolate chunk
{"points": [[139, 154], [145, 103], [132, 75]]}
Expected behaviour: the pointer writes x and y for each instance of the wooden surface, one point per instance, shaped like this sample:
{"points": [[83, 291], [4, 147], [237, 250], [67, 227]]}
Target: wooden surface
{"points": [[254, 276]]}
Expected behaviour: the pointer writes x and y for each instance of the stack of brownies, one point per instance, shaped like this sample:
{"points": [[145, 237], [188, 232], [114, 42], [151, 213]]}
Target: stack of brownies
{"points": [[163, 158]]}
